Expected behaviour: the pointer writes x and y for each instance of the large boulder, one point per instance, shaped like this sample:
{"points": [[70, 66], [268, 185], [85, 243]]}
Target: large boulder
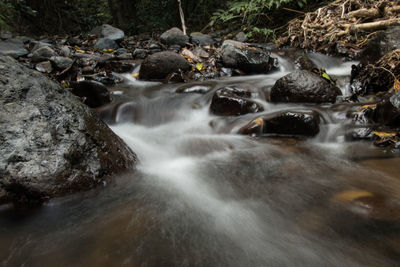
{"points": [[248, 59], [51, 144], [110, 32], [14, 48], [292, 123], [233, 101], [174, 36], [161, 64], [303, 86]]}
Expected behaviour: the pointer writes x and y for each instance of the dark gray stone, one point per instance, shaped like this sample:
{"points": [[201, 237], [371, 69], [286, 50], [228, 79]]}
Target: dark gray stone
{"points": [[233, 101], [159, 65], [382, 43], [202, 40], [241, 37], [106, 43], [250, 60], [174, 36], [303, 86], [51, 143], [61, 63], [13, 47], [139, 53], [110, 32], [285, 123], [43, 53]]}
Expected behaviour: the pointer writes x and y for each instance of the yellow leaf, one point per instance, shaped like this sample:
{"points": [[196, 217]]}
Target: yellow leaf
{"points": [[259, 121], [135, 75], [188, 59], [385, 134], [351, 195], [396, 85], [77, 47], [367, 106], [200, 67]]}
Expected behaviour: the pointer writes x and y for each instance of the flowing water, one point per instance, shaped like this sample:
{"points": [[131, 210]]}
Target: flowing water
{"points": [[204, 196]]}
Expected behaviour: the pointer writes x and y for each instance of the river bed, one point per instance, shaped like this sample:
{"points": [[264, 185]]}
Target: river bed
{"points": [[203, 195]]}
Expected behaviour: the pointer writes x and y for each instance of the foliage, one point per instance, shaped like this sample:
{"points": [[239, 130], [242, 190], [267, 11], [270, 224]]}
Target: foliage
{"points": [[251, 14], [6, 12]]}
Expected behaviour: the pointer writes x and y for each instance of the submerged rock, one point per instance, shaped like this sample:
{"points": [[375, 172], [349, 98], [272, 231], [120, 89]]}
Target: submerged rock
{"points": [[233, 101], [304, 87], [51, 144], [174, 36], [159, 65], [13, 47], [250, 60], [285, 123]]}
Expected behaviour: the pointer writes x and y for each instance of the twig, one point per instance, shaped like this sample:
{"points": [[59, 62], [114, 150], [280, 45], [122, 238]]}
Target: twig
{"points": [[182, 17], [293, 10]]}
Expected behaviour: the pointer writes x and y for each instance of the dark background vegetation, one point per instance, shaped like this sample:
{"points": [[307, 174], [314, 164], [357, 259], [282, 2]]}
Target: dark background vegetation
{"points": [[258, 18]]}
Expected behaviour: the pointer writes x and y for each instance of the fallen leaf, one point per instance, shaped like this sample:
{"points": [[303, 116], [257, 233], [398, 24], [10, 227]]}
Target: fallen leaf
{"points": [[135, 75], [351, 195], [200, 67], [385, 134], [396, 85]]}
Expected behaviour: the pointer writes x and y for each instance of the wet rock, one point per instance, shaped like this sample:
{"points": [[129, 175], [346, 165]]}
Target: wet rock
{"points": [[382, 43], [61, 63], [43, 53], [174, 36], [304, 87], [94, 93], [362, 120], [51, 144], [159, 65], [87, 70], [233, 101], [13, 47], [196, 89], [285, 123], [377, 77], [44, 67], [139, 53], [241, 37], [303, 62], [109, 32], [250, 60], [387, 111], [106, 43], [202, 40]]}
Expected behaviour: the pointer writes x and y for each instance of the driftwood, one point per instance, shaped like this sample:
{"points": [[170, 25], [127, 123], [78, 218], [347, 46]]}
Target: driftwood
{"points": [[344, 25]]}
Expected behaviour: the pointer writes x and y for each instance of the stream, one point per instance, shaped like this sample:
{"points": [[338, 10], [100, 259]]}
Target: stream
{"points": [[203, 195]]}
